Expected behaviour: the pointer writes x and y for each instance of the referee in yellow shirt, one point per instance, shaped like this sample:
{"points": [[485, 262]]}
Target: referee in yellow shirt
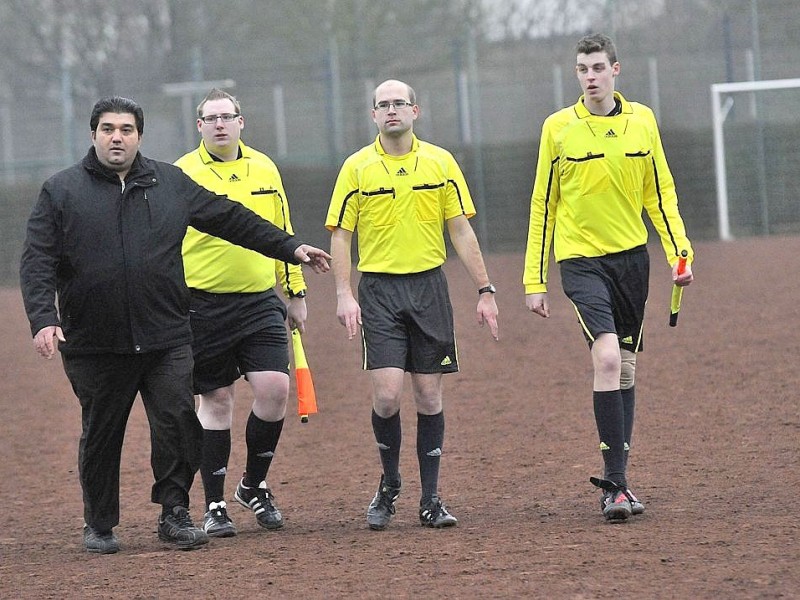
{"points": [[400, 193], [600, 165], [238, 321]]}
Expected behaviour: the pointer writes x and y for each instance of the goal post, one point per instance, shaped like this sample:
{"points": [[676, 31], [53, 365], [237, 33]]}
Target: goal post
{"points": [[722, 101]]}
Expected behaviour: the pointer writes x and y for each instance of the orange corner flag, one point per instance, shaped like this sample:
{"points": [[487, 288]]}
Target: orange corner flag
{"points": [[306, 397]]}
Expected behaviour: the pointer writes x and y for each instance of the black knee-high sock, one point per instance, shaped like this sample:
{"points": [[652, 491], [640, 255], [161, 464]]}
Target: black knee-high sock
{"points": [[610, 418], [629, 407], [388, 435], [430, 438], [262, 439], [214, 465]]}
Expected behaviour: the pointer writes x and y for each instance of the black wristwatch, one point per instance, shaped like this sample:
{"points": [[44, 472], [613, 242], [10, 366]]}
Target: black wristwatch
{"points": [[300, 294], [489, 288]]}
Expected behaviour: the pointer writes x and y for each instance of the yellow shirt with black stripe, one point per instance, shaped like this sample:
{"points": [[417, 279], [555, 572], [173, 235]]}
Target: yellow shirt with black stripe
{"points": [[215, 265], [399, 205], [594, 176]]}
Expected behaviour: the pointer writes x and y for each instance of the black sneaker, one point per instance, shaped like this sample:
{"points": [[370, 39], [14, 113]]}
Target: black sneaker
{"points": [[216, 522], [179, 529], [261, 501], [382, 509], [434, 514], [100, 542]]}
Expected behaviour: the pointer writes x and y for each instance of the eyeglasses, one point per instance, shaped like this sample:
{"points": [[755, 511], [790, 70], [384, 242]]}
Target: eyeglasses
{"points": [[212, 119], [398, 104]]}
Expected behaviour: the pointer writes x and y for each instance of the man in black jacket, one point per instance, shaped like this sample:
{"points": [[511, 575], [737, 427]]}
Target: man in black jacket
{"points": [[105, 239]]}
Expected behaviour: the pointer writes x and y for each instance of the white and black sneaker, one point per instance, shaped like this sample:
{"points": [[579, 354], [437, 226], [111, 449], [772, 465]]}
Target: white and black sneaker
{"points": [[434, 514], [261, 501], [216, 522]]}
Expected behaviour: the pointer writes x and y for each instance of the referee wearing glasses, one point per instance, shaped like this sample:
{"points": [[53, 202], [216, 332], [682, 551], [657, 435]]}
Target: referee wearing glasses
{"points": [[238, 320], [400, 193]]}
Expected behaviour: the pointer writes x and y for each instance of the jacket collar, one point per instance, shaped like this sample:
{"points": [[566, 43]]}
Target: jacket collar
{"points": [[583, 112], [139, 168]]}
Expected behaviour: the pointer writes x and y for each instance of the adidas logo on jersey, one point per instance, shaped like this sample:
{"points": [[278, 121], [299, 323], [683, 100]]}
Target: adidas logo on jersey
{"points": [[446, 361], [610, 134], [402, 171], [234, 178]]}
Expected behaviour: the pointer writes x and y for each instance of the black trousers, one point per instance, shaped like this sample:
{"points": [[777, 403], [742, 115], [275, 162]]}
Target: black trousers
{"points": [[106, 386]]}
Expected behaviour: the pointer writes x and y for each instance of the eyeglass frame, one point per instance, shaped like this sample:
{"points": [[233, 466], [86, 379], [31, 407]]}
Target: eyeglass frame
{"points": [[226, 118], [394, 103]]}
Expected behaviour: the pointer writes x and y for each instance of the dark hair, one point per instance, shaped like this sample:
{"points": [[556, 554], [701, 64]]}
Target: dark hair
{"points": [[218, 94], [119, 105], [597, 42]]}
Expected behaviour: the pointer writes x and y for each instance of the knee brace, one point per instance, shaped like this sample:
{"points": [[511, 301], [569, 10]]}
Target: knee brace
{"points": [[628, 369]]}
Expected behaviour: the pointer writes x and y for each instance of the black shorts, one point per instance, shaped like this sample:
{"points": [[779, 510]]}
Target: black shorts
{"points": [[609, 294], [407, 322], [236, 334]]}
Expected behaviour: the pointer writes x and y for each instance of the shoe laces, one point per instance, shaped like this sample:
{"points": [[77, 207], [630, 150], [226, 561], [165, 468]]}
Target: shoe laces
{"points": [[433, 509], [618, 496], [264, 495], [182, 518], [218, 509], [630, 495], [387, 497]]}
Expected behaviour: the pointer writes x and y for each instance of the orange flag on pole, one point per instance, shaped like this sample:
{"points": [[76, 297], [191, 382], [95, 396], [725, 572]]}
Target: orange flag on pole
{"points": [[306, 397]]}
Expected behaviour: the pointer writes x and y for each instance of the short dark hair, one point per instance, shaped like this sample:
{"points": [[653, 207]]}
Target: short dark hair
{"points": [[119, 105], [218, 94], [597, 42]]}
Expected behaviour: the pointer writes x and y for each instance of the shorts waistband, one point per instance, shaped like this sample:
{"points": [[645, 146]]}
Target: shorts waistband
{"points": [[401, 275], [197, 293]]}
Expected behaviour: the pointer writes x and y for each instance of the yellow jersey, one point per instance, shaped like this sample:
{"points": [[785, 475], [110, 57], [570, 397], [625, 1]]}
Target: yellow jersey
{"points": [[215, 265], [594, 177], [399, 205]]}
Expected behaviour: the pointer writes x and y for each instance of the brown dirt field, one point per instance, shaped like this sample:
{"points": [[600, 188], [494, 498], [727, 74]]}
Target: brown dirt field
{"points": [[716, 459]]}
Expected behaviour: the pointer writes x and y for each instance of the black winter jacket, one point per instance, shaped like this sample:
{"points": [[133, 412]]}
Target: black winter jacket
{"points": [[111, 252]]}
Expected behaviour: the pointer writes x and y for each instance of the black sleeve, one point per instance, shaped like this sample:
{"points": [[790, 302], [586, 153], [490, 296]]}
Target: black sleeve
{"points": [[39, 263]]}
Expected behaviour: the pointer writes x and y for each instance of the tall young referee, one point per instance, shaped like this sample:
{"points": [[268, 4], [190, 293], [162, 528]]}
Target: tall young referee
{"points": [[400, 193], [600, 164]]}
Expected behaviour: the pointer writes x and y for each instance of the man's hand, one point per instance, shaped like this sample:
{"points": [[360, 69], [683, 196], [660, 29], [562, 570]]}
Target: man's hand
{"points": [[349, 314], [487, 313], [43, 340], [313, 257], [297, 314], [538, 303], [682, 279]]}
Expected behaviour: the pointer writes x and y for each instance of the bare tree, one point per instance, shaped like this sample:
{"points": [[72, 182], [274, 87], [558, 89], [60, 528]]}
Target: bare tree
{"points": [[93, 40]]}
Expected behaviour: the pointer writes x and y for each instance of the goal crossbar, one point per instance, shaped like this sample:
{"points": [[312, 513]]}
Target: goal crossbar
{"points": [[719, 112]]}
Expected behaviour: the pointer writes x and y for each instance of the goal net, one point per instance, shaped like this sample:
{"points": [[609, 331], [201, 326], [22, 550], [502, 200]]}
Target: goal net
{"points": [[757, 156]]}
